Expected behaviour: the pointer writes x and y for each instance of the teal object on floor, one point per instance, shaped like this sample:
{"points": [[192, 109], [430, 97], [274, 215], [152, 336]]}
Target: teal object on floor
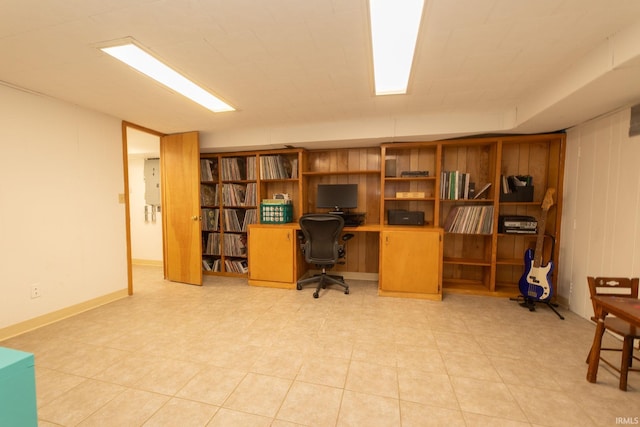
{"points": [[17, 388]]}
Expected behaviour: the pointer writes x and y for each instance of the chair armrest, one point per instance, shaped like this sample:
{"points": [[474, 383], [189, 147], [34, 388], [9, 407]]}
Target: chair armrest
{"points": [[347, 236], [301, 241], [341, 249]]}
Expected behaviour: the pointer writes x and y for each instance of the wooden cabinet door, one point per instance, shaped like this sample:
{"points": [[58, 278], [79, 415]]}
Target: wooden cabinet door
{"points": [[410, 261], [180, 172], [271, 254]]}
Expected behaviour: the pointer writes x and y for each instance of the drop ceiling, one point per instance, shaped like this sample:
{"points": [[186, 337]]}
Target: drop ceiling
{"points": [[299, 72]]}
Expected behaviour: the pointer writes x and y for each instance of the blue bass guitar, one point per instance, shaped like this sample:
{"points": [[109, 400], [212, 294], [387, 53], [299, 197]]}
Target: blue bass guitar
{"points": [[535, 283]]}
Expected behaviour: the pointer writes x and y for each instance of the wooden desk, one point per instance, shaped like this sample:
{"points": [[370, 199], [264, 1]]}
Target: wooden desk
{"points": [[409, 260], [627, 309]]}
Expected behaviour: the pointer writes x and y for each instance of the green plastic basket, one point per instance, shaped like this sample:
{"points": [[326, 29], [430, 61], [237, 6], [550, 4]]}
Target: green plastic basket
{"points": [[276, 213]]}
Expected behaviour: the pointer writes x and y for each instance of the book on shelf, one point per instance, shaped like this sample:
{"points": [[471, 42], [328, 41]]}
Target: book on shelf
{"points": [[239, 219], [277, 201], [211, 244], [232, 219], [516, 188], [250, 217], [209, 195], [250, 196], [251, 167], [234, 194], [235, 244], [208, 170], [475, 219], [231, 169], [238, 168], [211, 264], [512, 183], [236, 266], [278, 167], [484, 191], [210, 219], [455, 185]]}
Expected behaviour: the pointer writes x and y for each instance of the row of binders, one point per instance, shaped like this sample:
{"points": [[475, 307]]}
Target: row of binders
{"points": [[476, 219]]}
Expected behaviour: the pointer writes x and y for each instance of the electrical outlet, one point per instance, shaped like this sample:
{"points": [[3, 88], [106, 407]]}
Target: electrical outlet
{"points": [[35, 291]]}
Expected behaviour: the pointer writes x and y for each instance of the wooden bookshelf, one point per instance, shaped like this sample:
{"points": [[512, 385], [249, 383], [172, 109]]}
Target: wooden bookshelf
{"points": [[485, 264], [490, 263], [240, 181]]}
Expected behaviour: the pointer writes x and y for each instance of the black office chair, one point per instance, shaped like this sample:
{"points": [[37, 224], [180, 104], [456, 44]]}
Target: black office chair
{"points": [[320, 245]]}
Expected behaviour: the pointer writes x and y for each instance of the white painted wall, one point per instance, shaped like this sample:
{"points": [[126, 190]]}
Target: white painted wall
{"points": [[146, 236], [61, 224], [601, 211]]}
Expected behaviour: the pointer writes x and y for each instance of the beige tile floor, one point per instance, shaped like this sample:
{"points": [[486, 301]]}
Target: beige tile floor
{"points": [[227, 354]]}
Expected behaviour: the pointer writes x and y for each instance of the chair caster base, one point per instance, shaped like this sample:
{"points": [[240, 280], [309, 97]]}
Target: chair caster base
{"points": [[324, 282]]}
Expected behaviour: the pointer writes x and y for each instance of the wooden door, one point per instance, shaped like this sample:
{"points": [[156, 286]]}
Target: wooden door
{"points": [[180, 172], [410, 261]]}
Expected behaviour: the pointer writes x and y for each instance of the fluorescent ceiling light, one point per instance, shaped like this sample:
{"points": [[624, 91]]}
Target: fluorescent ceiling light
{"points": [[394, 32], [142, 61]]}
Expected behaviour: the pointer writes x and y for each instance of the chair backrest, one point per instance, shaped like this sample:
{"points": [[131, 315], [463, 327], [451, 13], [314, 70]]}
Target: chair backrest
{"points": [[321, 234], [614, 286]]}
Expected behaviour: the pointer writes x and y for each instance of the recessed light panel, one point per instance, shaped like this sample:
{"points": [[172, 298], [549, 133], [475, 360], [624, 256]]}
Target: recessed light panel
{"points": [[139, 59], [394, 32]]}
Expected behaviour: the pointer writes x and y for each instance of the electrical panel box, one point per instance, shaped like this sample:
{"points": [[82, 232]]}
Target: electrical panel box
{"points": [[152, 181]]}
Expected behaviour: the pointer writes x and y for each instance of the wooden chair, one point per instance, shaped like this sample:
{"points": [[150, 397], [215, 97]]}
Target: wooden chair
{"points": [[622, 287]]}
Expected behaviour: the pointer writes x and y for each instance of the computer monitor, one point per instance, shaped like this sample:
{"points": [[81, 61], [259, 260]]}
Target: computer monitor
{"points": [[337, 196]]}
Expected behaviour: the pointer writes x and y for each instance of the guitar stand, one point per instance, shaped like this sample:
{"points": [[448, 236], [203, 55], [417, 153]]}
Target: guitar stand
{"points": [[530, 303]]}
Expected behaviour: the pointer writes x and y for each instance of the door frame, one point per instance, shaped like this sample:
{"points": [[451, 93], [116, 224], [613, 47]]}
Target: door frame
{"points": [[127, 208]]}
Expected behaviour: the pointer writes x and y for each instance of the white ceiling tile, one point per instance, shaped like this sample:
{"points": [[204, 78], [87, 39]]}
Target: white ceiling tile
{"points": [[292, 62]]}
